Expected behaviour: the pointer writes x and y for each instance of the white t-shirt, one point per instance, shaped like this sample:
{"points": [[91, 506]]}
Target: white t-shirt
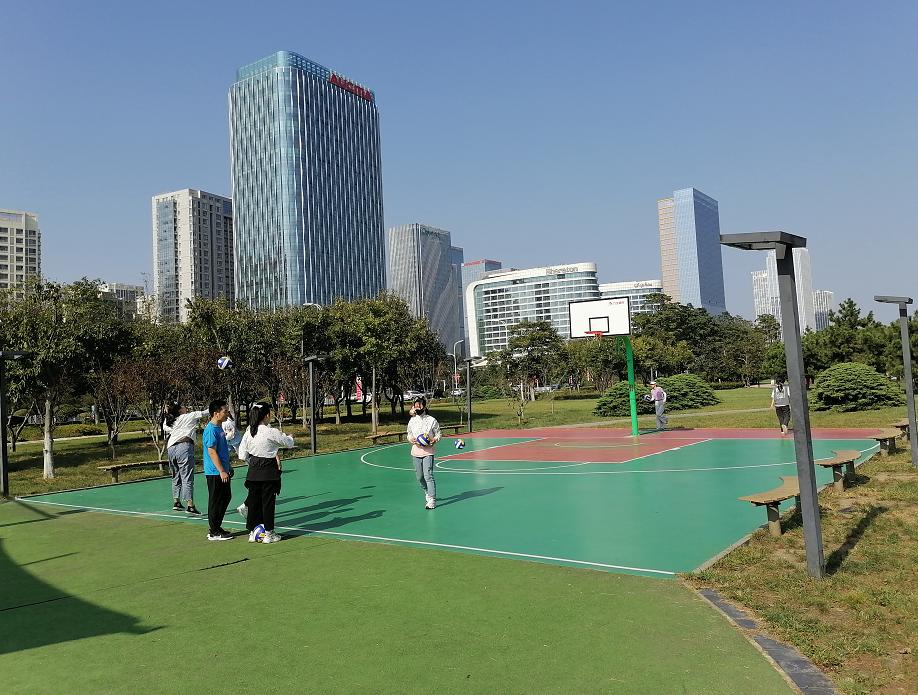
{"points": [[423, 424], [781, 397], [184, 426], [264, 444]]}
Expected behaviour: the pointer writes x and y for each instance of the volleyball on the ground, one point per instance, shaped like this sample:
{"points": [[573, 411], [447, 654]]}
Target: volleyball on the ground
{"points": [[224, 362], [460, 444], [259, 532], [423, 440]]}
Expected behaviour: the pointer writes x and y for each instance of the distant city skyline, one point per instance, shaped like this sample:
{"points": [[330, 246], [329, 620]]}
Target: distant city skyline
{"points": [[575, 178]]}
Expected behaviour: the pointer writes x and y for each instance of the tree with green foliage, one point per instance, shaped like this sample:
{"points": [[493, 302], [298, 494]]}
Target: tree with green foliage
{"points": [[533, 349], [851, 386], [684, 392]]}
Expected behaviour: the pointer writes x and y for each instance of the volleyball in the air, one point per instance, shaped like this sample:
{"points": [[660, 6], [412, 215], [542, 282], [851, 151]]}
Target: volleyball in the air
{"points": [[423, 440], [259, 532], [224, 362], [460, 444]]}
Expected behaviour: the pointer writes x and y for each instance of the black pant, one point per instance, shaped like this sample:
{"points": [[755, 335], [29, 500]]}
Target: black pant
{"points": [[261, 502], [219, 495], [783, 412]]}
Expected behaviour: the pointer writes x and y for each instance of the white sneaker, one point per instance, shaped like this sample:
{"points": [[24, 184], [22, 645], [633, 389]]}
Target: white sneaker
{"points": [[252, 538], [271, 537], [431, 503], [243, 510]]}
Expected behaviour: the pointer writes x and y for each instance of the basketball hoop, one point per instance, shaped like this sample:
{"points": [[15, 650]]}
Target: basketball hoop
{"points": [[596, 334]]}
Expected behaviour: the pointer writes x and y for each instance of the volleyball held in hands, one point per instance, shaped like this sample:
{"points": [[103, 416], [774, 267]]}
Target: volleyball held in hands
{"points": [[423, 440]]}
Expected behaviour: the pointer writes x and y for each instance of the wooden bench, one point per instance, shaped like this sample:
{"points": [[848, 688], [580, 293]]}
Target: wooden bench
{"points": [[843, 459], [402, 435], [790, 487], [903, 427], [115, 467], [887, 440]]}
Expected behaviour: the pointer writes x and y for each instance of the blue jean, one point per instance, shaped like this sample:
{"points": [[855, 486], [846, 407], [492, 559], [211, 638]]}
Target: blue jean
{"points": [[423, 468], [181, 465]]}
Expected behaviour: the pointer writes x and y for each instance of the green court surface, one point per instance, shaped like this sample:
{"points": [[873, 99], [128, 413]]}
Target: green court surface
{"points": [[598, 499], [104, 603]]}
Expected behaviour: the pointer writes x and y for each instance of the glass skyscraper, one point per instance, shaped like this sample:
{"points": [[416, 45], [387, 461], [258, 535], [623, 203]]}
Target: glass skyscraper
{"points": [[637, 292], [307, 186], [690, 256], [767, 300], [424, 268]]}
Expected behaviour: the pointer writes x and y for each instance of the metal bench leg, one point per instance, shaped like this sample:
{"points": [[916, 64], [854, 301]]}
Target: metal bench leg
{"points": [[774, 519], [892, 445], [797, 502], [838, 479], [114, 475], [850, 470], [884, 447]]}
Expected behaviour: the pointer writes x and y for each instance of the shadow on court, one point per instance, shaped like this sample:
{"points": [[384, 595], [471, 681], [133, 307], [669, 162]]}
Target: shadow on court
{"points": [[41, 515], [34, 613], [467, 495]]}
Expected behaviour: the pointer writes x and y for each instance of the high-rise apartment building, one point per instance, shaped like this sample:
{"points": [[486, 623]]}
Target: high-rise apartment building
{"points": [[192, 250], [307, 186], [127, 298], [20, 248], [471, 271], [424, 268], [690, 253], [823, 303], [765, 289], [497, 302], [638, 293]]}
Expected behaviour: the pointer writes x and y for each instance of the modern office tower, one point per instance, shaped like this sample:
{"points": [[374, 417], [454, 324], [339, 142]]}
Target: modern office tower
{"points": [[497, 302], [307, 186], [127, 298], [823, 303], [690, 250], [192, 250], [637, 293], [765, 289], [20, 248], [422, 268], [471, 271], [457, 260]]}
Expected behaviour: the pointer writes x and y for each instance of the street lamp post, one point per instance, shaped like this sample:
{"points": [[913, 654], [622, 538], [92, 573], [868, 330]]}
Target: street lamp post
{"points": [[311, 361], [903, 303], [783, 244], [4, 460]]}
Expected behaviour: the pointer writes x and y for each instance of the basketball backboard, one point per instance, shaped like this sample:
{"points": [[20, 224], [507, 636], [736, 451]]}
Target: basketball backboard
{"points": [[611, 316]]}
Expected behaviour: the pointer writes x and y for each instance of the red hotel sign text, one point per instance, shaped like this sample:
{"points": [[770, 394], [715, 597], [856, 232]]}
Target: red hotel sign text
{"points": [[351, 87]]}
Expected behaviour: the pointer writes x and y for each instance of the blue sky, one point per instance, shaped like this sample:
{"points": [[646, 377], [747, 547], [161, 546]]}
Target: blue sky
{"points": [[537, 133]]}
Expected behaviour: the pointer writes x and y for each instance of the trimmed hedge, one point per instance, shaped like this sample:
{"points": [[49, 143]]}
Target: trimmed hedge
{"points": [[683, 391], [851, 386], [728, 385], [486, 392]]}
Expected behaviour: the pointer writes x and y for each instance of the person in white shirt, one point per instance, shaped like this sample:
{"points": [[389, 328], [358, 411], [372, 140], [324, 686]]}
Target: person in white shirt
{"points": [[424, 424], [259, 447], [780, 401], [658, 396], [181, 424]]}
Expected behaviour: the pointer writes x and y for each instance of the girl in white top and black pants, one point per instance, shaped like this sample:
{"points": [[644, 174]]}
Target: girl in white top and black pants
{"points": [[181, 425], [259, 447]]}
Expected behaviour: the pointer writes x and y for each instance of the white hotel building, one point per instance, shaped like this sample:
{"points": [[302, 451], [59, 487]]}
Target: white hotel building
{"points": [[496, 303], [637, 293]]}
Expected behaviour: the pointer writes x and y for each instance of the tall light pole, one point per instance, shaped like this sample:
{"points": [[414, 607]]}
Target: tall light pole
{"points": [[903, 303], [783, 244], [311, 361], [468, 387], [455, 365]]}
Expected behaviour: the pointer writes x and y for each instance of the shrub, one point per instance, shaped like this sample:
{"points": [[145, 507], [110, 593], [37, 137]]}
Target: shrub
{"points": [[727, 385], [853, 386], [486, 392], [684, 391]]}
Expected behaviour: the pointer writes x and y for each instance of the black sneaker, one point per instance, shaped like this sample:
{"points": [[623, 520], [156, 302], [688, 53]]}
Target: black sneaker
{"points": [[219, 536], [177, 507], [193, 510]]}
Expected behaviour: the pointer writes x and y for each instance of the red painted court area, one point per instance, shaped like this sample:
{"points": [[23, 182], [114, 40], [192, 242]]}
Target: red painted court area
{"points": [[600, 445]]}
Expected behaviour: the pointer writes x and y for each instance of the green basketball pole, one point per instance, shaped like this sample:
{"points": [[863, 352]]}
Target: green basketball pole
{"points": [[632, 399]]}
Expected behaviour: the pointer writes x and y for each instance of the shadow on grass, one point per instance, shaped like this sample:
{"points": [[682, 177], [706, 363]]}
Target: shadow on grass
{"points": [[837, 557], [35, 614]]}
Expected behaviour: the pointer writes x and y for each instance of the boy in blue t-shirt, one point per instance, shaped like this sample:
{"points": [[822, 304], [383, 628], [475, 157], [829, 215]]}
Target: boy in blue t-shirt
{"points": [[217, 471]]}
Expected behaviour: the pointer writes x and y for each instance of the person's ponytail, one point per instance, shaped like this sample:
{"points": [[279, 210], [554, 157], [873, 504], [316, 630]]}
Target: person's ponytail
{"points": [[261, 411]]}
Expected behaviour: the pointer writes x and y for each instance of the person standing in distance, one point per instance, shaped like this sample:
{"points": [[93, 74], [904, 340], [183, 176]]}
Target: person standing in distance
{"points": [[780, 401], [658, 396], [424, 433], [181, 425], [218, 471], [259, 447]]}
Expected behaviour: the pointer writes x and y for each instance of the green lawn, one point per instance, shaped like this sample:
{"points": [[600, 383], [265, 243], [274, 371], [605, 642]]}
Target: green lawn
{"points": [[83, 611]]}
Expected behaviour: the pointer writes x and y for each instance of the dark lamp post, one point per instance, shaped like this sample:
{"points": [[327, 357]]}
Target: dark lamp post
{"points": [[903, 303]]}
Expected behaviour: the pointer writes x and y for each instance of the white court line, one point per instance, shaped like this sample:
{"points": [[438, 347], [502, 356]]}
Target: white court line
{"points": [[490, 551], [493, 471]]}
